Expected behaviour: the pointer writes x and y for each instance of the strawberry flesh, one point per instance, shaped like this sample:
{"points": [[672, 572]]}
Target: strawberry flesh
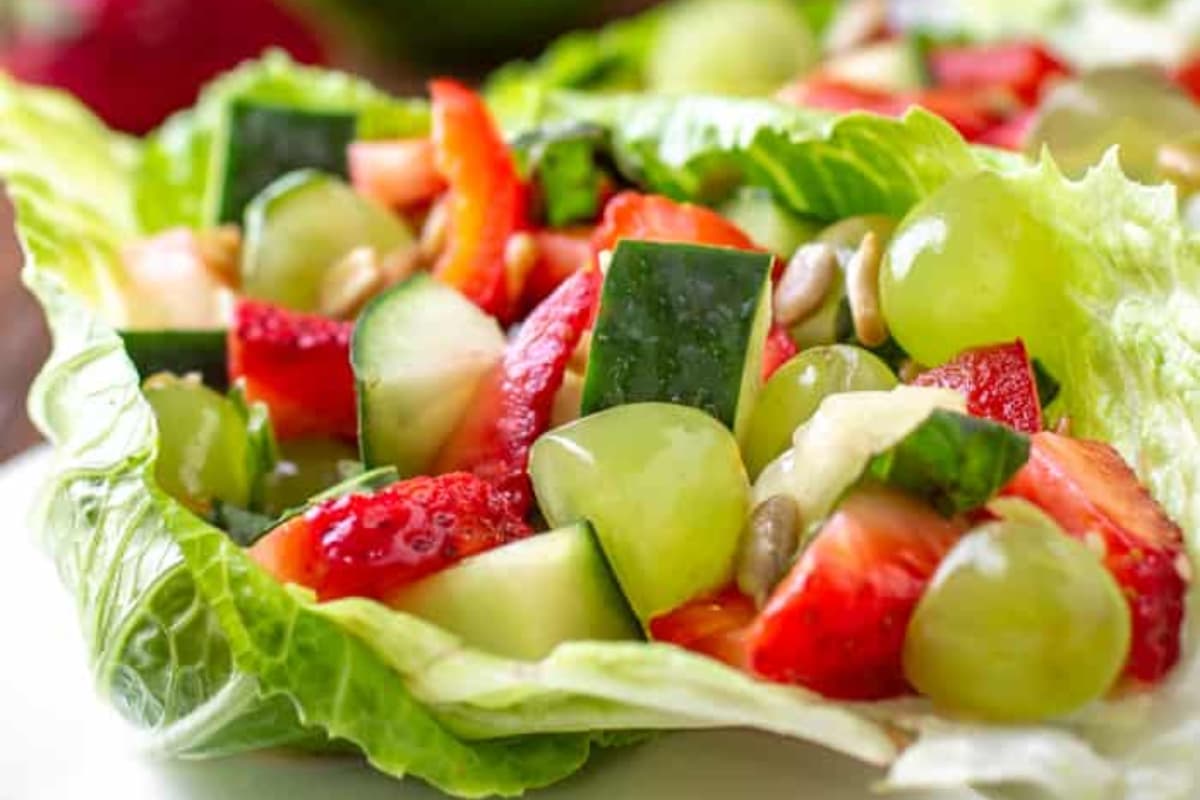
{"points": [[714, 625], [370, 545], [836, 624], [997, 381], [298, 365], [1090, 491]]}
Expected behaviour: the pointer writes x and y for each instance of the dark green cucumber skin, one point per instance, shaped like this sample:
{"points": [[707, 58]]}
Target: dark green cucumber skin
{"points": [[675, 325], [266, 142], [180, 352]]}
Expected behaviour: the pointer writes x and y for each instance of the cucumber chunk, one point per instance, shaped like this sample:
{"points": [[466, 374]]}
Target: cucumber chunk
{"points": [[180, 352], [681, 323], [303, 224], [260, 143], [418, 352], [664, 487], [524, 599]]}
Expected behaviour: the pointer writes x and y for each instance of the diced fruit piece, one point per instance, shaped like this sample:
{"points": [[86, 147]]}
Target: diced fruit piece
{"points": [[298, 365], [669, 530], [792, 395], [1024, 68], [204, 452], [181, 351], [1188, 76], [561, 253], [836, 624], [488, 202], [300, 227], [526, 598], [371, 545], [1019, 624], [832, 449], [171, 285], [767, 222], [998, 382], [396, 173], [714, 625], [513, 403], [893, 65], [1012, 133], [304, 468], [682, 324], [821, 91], [777, 351], [739, 47], [419, 352], [1089, 490], [653, 218], [259, 144]]}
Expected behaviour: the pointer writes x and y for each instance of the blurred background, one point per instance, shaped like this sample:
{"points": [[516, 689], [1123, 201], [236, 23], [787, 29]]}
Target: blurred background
{"points": [[136, 61]]}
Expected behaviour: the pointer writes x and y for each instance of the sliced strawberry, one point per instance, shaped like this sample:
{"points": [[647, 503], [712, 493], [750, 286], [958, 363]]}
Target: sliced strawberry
{"points": [[650, 217], [370, 545], [397, 173], [779, 349], [299, 365], [819, 91], [1012, 133], [488, 201], [1188, 77], [997, 381], [836, 623], [1024, 68], [1090, 491], [513, 404], [714, 625], [561, 253]]}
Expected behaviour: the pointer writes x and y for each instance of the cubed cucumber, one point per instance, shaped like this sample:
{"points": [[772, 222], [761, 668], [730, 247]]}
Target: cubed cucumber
{"points": [[896, 65], [181, 352], [260, 143], [681, 323], [303, 224], [524, 599], [664, 487], [419, 350], [767, 222]]}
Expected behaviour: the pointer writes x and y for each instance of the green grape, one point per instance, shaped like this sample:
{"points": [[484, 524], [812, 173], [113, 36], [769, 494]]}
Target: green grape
{"points": [[1137, 108], [663, 486], [798, 387], [305, 467], [1020, 623], [737, 47], [203, 446], [973, 265]]}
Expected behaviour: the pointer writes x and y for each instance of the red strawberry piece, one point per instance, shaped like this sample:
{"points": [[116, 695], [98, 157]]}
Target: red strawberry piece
{"points": [[997, 381], [370, 545], [398, 173], [1090, 491], [836, 624], [778, 351], [649, 217], [513, 404], [714, 625], [299, 365]]}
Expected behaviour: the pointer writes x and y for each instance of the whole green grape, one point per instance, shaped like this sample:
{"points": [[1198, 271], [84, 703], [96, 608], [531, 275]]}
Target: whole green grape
{"points": [[1020, 623], [972, 265], [793, 393]]}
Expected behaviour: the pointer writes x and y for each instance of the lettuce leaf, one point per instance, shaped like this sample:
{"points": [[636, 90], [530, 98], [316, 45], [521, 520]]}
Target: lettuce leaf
{"points": [[209, 655]]}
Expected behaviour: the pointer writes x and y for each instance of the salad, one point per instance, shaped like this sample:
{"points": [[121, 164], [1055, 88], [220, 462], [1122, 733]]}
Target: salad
{"points": [[474, 444]]}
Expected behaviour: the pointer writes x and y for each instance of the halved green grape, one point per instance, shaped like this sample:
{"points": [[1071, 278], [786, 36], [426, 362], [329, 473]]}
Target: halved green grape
{"points": [[1020, 623], [664, 488], [973, 265], [204, 452], [1137, 108], [738, 47], [798, 387], [305, 467]]}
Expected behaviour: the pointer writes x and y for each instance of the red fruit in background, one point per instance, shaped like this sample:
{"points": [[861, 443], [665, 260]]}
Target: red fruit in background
{"points": [[514, 402], [836, 624], [997, 381], [714, 625], [561, 253], [136, 61], [1188, 76], [1012, 133], [1090, 491], [299, 365], [1024, 68], [369, 545]]}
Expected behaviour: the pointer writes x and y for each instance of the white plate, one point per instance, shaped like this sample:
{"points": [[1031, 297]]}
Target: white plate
{"points": [[57, 740]]}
